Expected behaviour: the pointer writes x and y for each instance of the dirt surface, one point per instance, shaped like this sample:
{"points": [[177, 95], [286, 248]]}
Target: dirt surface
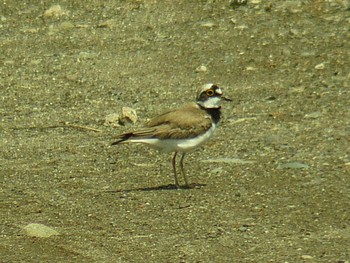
{"points": [[271, 186]]}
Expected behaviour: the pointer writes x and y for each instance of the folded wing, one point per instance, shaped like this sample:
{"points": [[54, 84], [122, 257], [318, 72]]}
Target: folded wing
{"points": [[185, 122]]}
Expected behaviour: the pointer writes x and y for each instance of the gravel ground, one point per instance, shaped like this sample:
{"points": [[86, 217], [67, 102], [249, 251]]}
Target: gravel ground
{"points": [[271, 186]]}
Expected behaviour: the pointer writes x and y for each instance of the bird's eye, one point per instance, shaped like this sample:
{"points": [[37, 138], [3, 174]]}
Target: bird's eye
{"points": [[209, 92]]}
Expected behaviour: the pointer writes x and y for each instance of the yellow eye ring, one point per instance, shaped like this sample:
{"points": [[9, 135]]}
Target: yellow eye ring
{"points": [[209, 92]]}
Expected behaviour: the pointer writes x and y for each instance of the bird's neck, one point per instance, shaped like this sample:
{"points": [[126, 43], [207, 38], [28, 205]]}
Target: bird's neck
{"points": [[215, 113]]}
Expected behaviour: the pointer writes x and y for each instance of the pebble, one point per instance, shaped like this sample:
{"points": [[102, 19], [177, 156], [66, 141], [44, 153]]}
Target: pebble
{"points": [[39, 230], [54, 11], [243, 228], [66, 25], [112, 120], [320, 66], [201, 68], [249, 68], [128, 115], [313, 115], [306, 257], [207, 24]]}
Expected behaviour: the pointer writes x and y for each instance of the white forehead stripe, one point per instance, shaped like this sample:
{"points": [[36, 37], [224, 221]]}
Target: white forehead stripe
{"points": [[207, 86]]}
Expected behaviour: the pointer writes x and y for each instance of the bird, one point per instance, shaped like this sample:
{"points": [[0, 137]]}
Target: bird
{"points": [[183, 129]]}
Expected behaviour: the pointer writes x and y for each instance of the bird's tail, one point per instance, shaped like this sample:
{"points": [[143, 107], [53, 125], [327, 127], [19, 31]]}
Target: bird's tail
{"points": [[142, 133], [122, 138]]}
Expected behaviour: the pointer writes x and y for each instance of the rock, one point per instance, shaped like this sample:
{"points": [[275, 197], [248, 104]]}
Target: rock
{"points": [[39, 230], [128, 115], [243, 228], [201, 68], [112, 120], [66, 25], [207, 24], [320, 66], [306, 257], [54, 11], [249, 68], [313, 115]]}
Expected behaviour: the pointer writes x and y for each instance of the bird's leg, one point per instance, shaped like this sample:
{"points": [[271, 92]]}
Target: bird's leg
{"points": [[174, 168], [182, 169]]}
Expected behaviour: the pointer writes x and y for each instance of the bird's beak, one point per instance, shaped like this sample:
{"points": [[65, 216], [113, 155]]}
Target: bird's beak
{"points": [[225, 99]]}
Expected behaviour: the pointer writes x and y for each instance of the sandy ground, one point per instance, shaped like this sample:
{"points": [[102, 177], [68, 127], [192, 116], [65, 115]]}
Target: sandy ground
{"points": [[271, 186]]}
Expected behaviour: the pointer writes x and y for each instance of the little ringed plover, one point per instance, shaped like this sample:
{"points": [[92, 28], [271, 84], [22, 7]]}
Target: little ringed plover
{"points": [[183, 129]]}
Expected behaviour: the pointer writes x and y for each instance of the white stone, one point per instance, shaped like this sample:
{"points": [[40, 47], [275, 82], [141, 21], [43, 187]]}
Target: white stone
{"points": [[39, 230]]}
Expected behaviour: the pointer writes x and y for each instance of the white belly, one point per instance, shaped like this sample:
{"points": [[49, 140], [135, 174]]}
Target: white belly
{"points": [[177, 145]]}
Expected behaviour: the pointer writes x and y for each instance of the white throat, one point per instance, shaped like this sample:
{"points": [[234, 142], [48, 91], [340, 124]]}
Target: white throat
{"points": [[210, 103]]}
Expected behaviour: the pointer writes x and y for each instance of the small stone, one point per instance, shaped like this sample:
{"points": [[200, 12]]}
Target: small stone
{"points": [[35, 62], [320, 66], [313, 115], [306, 257], [297, 89], [128, 115], [72, 77], [66, 25], [201, 68], [112, 120], [249, 68], [241, 27], [243, 228], [87, 55], [54, 11], [207, 24], [39, 230]]}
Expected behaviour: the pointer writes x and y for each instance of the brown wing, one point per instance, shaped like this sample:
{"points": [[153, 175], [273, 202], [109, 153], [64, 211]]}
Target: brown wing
{"points": [[185, 122]]}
